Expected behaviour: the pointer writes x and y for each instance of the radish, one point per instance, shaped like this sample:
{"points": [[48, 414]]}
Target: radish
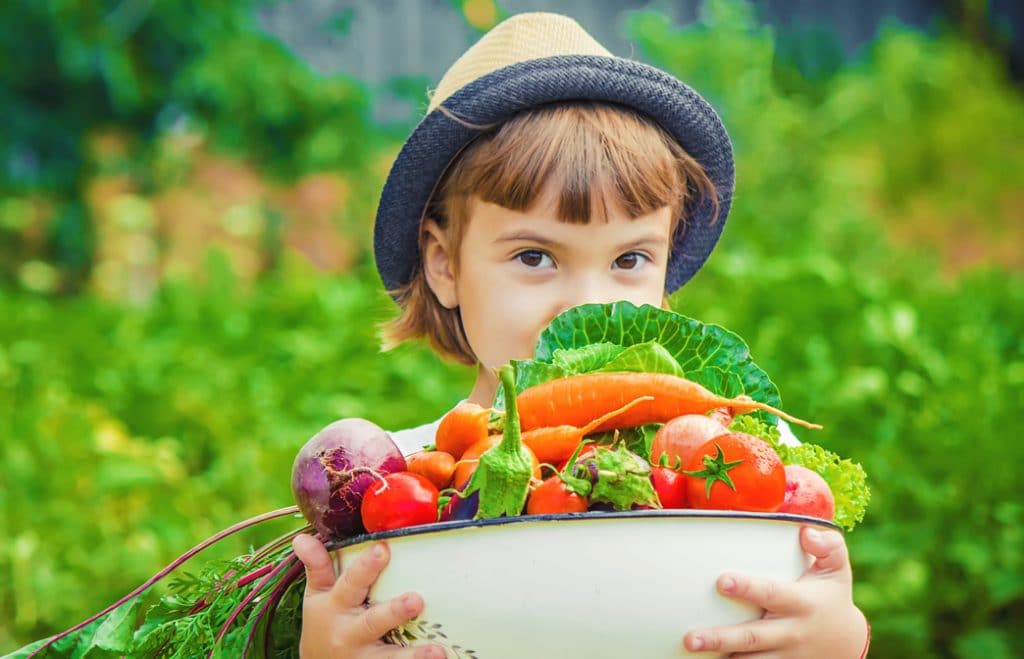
{"points": [[676, 441], [807, 493], [333, 470]]}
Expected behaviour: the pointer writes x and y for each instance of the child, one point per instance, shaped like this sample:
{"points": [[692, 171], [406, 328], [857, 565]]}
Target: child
{"points": [[546, 174]]}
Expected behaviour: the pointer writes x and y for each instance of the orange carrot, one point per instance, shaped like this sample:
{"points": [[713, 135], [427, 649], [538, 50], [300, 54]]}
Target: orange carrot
{"points": [[554, 445], [437, 467], [462, 427], [576, 399]]}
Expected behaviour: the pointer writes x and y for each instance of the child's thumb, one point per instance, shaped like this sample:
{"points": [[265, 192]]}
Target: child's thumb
{"points": [[828, 549], [319, 568]]}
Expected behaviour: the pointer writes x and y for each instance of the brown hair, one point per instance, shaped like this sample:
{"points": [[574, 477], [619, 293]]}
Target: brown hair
{"points": [[591, 154]]}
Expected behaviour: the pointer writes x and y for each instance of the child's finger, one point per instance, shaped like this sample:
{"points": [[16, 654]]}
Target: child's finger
{"points": [[419, 652], [768, 594], [319, 569], [352, 587], [828, 549], [758, 636], [381, 618]]}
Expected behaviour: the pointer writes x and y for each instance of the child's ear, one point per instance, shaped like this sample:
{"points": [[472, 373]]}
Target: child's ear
{"points": [[437, 264]]}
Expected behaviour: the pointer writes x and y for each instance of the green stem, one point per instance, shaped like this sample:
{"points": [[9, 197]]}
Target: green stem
{"points": [[511, 439]]}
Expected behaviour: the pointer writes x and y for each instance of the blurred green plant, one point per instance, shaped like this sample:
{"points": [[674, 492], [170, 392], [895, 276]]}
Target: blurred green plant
{"points": [[72, 72], [131, 434], [867, 195]]}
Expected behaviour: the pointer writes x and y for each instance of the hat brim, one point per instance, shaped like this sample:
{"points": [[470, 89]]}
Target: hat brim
{"points": [[495, 97]]}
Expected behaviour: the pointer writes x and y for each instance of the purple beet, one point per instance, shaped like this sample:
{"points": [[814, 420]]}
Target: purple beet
{"points": [[333, 470]]}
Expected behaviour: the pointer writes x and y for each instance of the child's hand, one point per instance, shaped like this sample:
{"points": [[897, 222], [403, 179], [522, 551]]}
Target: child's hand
{"points": [[814, 617], [334, 622]]}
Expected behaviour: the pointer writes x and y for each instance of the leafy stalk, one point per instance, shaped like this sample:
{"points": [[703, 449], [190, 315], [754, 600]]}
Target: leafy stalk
{"points": [[503, 474], [281, 512], [248, 599]]}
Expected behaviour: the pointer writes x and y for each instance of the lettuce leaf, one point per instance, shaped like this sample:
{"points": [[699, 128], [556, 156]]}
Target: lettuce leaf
{"points": [[846, 479]]}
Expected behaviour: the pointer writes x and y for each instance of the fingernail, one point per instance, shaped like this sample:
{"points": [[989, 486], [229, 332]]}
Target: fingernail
{"points": [[696, 643], [378, 551], [409, 604], [814, 535], [728, 583]]}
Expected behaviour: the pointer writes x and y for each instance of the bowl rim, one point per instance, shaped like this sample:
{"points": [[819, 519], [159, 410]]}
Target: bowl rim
{"points": [[674, 513]]}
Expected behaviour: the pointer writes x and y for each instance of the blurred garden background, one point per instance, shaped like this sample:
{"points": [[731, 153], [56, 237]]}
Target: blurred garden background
{"points": [[187, 290]]}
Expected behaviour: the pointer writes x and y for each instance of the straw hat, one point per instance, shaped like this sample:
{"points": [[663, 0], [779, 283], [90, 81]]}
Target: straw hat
{"points": [[529, 60]]}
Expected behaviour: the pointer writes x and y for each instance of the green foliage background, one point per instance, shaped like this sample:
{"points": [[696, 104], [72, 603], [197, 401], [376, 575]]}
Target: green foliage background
{"points": [[132, 429]]}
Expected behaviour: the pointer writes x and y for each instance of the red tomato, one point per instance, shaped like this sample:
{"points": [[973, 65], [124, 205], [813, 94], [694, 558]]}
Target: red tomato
{"points": [[554, 496], [736, 471], [670, 486], [398, 500]]}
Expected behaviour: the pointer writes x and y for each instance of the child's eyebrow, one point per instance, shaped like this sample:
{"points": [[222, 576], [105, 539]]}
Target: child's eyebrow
{"points": [[652, 240], [529, 236]]}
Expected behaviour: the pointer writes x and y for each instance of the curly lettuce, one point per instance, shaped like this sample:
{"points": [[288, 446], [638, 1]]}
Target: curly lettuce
{"points": [[846, 479]]}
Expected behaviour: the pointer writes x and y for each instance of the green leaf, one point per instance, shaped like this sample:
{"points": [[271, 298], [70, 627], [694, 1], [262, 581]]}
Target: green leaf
{"points": [[586, 358], [649, 357], [113, 637]]}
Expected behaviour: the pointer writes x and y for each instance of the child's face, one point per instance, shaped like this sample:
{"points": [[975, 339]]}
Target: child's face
{"points": [[518, 270]]}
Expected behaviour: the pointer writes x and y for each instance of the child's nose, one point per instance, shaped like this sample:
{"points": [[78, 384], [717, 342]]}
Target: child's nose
{"points": [[589, 290]]}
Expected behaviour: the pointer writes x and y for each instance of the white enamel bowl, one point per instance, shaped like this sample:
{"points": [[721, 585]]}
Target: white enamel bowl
{"points": [[615, 585]]}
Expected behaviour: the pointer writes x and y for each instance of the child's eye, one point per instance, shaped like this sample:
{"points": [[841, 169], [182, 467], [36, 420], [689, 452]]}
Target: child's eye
{"points": [[629, 261], [534, 258]]}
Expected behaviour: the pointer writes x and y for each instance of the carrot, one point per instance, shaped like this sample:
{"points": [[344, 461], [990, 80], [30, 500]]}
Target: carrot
{"points": [[554, 445], [463, 426], [576, 399], [437, 467]]}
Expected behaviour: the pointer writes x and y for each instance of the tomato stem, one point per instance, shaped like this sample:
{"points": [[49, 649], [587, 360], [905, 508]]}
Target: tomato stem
{"points": [[715, 469]]}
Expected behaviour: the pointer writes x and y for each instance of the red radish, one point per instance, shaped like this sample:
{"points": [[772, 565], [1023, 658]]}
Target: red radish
{"points": [[399, 500], [678, 439], [807, 493], [333, 470], [670, 486]]}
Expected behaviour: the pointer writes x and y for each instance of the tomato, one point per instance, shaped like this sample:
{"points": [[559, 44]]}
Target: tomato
{"points": [[463, 426], [736, 471], [807, 493], [678, 439], [670, 486], [554, 495], [398, 500]]}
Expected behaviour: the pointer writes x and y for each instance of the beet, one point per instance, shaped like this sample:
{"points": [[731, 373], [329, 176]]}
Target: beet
{"points": [[333, 470]]}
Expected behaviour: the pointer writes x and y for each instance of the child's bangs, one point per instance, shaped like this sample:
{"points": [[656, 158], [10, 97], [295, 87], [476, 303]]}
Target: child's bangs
{"points": [[588, 157]]}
